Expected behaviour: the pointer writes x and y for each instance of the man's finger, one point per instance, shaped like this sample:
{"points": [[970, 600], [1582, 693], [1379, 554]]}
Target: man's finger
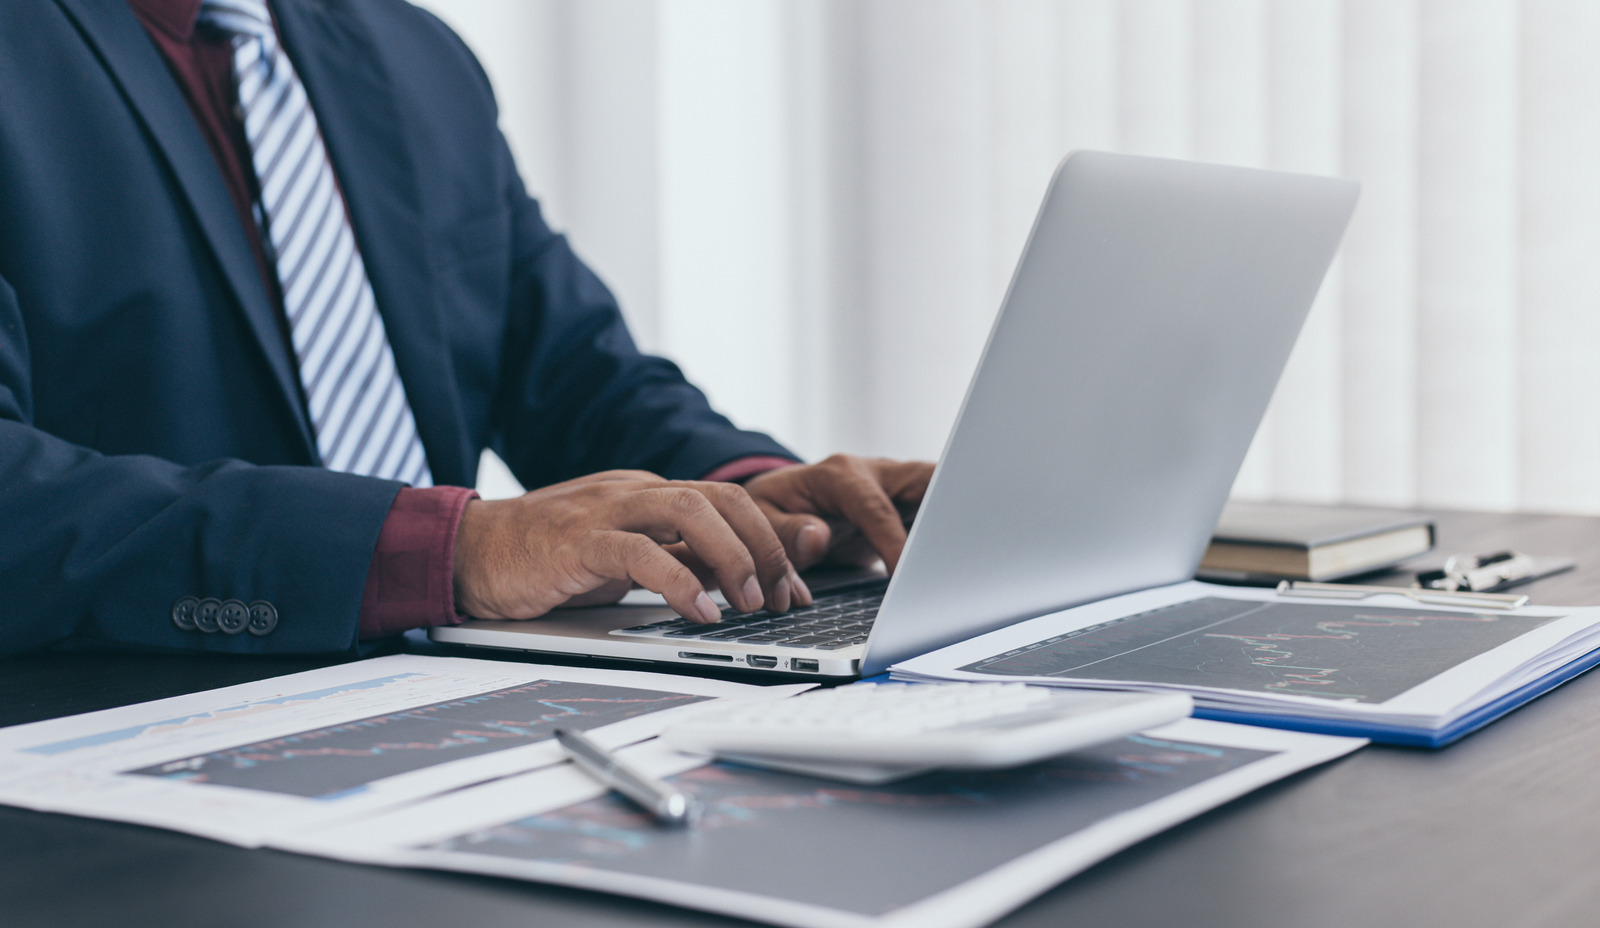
{"points": [[805, 537], [631, 556], [679, 511], [863, 501], [905, 481], [764, 545]]}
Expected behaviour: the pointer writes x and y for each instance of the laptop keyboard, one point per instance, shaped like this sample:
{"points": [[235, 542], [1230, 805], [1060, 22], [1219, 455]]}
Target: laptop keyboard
{"points": [[835, 621]]}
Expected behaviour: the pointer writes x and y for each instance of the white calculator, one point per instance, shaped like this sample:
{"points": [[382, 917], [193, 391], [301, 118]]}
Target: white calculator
{"points": [[868, 733]]}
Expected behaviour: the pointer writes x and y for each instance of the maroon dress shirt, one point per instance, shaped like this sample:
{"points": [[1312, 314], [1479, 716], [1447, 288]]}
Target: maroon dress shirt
{"points": [[410, 583]]}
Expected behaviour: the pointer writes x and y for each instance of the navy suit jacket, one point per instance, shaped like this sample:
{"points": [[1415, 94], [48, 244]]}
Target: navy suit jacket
{"points": [[153, 442]]}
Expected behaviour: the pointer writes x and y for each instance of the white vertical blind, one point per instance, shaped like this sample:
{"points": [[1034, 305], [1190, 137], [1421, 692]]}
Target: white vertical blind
{"points": [[1303, 134], [815, 205], [1379, 259], [1467, 251], [928, 162], [1558, 303], [1231, 106], [724, 199]]}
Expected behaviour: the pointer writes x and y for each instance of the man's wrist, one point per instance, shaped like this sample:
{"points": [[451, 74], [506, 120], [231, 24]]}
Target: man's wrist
{"points": [[411, 581]]}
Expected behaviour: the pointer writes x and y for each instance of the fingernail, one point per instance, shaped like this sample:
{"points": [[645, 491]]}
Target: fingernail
{"points": [[802, 593], [808, 543], [780, 596], [708, 609], [752, 595]]}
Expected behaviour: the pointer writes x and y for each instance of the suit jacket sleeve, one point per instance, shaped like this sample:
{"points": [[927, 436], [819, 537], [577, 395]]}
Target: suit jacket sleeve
{"points": [[96, 549]]}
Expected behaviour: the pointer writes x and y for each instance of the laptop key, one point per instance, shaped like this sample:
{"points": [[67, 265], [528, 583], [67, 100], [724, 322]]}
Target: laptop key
{"points": [[806, 642], [695, 632], [730, 634]]}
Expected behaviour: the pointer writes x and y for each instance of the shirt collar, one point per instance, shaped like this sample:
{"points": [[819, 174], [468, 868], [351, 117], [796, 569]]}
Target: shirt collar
{"points": [[176, 18]]}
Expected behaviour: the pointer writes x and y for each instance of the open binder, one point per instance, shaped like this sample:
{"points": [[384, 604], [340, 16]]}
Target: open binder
{"points": [[1387, 667]]}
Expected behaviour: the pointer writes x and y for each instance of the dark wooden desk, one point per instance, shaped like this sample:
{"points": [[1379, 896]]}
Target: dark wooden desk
{"points": [[1500, 829]]}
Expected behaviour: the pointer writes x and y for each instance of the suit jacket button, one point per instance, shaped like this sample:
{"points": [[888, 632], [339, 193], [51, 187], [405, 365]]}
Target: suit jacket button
{"points": [[183, 613], [233, 617], [205, 615], [263, 618]]}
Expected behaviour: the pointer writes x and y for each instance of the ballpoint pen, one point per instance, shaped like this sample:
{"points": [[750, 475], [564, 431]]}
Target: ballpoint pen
{"points": [[670, 806]]}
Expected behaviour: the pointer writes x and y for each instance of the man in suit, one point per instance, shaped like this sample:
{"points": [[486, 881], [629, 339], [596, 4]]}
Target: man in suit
{"points": [[269, 282]]}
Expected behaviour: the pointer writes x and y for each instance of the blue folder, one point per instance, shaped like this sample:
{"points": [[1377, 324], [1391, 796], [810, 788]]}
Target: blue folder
{"points": [[1413, 737], [1398, 734]]}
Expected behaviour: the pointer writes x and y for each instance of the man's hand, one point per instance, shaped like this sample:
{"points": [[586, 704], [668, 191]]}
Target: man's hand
{"points": [[587, 540], [845, 509]]}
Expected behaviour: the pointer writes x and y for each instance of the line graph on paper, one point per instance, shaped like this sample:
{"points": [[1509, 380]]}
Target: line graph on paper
{"points": [[194, 722], [777, 834], [1335, 652], [326, 762]]}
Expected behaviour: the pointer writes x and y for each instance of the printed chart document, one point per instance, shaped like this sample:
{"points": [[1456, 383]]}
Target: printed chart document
{"points": [[942, 850], [247, 763], [1385, 668]]}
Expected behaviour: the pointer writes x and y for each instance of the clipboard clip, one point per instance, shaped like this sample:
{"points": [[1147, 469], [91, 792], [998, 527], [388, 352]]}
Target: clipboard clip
{"points": [[1429, 597]]}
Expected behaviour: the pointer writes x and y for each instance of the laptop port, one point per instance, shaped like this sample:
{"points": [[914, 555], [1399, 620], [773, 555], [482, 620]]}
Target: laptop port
{"points": [[701, 656], [760, 660], [803, 663]]}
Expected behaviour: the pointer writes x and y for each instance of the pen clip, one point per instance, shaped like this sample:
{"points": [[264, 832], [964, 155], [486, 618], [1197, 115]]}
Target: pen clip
{"points": [[1427, 597]]}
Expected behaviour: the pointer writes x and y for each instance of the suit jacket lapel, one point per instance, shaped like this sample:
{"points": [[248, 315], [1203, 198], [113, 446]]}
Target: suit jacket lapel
{"points": [[342, 69], [111, 27]]}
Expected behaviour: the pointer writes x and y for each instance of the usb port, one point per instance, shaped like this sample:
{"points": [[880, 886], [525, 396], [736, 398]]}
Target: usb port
{"points": [[700, 656], [803, 663], [760, 660]]}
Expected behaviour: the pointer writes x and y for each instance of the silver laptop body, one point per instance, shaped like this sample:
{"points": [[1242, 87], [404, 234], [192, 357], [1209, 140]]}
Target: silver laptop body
{"points": [[1150, 316]]}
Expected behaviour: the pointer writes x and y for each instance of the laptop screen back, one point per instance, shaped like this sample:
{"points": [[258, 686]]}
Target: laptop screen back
{"points": [[1143, 333]]}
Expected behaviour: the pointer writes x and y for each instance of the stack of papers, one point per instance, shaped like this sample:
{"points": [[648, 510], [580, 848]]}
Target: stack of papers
{"points": [[448, 763], [1384, 668], [944, 850], [258, 762]]}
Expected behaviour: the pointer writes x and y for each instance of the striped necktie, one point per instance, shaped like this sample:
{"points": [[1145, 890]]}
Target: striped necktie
{"points": [[357, 403]]}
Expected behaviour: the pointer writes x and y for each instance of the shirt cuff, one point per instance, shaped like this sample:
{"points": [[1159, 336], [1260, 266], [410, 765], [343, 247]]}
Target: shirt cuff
{"points": [[411, 583], [744, 468]]}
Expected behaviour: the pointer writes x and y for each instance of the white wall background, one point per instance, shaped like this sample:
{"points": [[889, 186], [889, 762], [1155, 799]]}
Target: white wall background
{"points": [[814, 205]]}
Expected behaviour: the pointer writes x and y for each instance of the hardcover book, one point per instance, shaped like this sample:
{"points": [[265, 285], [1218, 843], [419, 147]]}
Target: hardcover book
{"points": [[1268, 542]]}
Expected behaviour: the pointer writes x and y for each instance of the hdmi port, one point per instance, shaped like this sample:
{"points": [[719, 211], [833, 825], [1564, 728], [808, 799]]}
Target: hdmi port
{"points": [[760, 660], [699, 656]]}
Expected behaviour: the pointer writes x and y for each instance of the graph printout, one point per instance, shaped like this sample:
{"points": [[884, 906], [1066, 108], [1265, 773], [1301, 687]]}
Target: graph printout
{"points": [[942, 850], [324, 762], [1380, 664], [1359, 652], [249, 762], [808, 840]]}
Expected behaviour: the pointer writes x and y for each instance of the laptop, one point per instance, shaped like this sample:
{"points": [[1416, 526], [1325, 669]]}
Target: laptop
{"points": [[1146, 326]]}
